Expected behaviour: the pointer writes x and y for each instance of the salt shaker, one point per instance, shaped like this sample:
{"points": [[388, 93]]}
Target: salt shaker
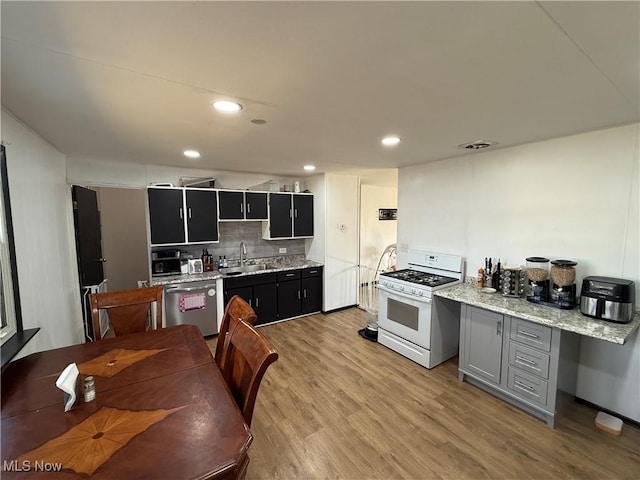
{"points": [[89, 389]]}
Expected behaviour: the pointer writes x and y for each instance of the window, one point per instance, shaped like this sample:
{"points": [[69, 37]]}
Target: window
{"points": [[8, 310], [12, 335]]}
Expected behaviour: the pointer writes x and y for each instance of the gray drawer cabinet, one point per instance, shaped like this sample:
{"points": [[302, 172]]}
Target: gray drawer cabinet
{"points": [[524, 363]]}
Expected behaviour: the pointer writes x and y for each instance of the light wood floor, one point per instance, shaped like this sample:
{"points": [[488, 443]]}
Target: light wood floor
{"points": [[338, 406]]}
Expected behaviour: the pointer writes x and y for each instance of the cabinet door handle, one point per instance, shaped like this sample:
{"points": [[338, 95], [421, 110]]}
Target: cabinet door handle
{"points": [[527, 334], [304, 292], [295, 213], [526, 387], [248, 208], [298, 294], [499, 327], [241, 208], [180, 209], [290, 213], [257, 301], [250, 302], [189, 210], [525, 360]]}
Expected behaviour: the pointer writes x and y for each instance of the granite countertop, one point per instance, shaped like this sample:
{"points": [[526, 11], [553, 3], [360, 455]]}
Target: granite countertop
{"points": [[570, 320], [278, 264]]}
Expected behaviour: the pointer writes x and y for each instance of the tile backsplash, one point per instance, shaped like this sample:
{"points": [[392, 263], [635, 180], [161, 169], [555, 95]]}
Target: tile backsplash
{"points": [[232, 233]]}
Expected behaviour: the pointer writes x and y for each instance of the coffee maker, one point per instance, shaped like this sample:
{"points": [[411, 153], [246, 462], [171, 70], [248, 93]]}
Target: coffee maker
{"points": [[563, 291], [538, 275]]}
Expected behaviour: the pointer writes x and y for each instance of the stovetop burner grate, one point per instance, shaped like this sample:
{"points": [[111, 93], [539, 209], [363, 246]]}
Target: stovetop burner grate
{"points": [[420, 278]]}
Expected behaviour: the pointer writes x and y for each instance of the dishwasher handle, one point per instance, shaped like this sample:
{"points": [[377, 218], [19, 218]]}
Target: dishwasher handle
{"points": [[189, 289]]}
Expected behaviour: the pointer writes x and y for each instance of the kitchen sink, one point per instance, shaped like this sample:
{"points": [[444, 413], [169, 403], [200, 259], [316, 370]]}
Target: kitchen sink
{"points": [[231, 271]]}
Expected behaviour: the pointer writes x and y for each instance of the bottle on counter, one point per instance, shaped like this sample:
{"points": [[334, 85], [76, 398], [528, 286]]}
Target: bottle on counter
{"points": [[480, 277]]}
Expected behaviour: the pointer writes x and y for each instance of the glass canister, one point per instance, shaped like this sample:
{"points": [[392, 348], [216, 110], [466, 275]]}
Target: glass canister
{"points": [[563, 272], [537, 268]]}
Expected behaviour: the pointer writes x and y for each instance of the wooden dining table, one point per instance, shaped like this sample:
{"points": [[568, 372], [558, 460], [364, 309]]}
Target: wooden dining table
{"points": [[162, 410]]}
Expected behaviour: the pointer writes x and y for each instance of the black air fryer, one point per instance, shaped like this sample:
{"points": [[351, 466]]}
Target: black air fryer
{"points": [[605, 298]]}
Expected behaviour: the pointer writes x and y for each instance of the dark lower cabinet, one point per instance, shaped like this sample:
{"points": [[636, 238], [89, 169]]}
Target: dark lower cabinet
{"points": [[265, 303], [259, 291], [289, 299], [280, 295], [311, 290]]}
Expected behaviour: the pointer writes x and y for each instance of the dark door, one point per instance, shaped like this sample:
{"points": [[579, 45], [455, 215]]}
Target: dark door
{"points": [[280, 215], [231, 205], [166, 215], [202, 215], [246, 293], [265, 303], [303, 215], [312, 290], [256, 206], [289, 299], [88, 236]]}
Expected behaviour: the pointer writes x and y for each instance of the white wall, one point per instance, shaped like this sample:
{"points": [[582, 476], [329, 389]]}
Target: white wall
{"points": [[44, 238], [376, 234], [568, 198]]}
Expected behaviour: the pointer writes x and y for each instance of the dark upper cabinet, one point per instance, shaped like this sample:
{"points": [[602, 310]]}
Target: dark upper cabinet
{"points": [[231, 205], [202, 211], [173, 223], [242, 205], [290, 215], [166, 215], [302, 215], [256, 206], [280, 215]]}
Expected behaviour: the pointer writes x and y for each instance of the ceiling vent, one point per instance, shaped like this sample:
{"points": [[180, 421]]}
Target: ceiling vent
{"points": [[478, 145]]}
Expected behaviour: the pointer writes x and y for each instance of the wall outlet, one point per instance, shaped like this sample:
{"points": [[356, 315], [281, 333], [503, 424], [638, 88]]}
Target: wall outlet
{"points": [[282, 250], [404, 247]]}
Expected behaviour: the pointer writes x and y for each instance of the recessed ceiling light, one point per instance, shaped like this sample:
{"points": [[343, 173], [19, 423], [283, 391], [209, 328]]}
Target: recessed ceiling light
{"points": [[309, 168], [390, 141], [191, 154], [227, 107]]}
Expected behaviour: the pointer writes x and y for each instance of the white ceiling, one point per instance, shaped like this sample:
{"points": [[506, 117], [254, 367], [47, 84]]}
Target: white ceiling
{"points": [[133, 81]]}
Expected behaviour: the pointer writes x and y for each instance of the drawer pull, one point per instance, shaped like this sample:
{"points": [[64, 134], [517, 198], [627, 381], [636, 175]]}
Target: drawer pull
{"points": [[290, 275], [525, 360], [313, 271], [499, 328], [525, 386], [527, 334]]}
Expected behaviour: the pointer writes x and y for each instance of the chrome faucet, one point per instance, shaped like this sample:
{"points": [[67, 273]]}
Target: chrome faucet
{"points": [[243, 253]]}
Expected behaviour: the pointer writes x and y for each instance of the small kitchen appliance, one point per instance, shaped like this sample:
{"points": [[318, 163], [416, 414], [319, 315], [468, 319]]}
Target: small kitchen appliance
{"points": [[410, 322], [165, 262], [538, 275], [607, 298], [563, 291], [195, 265]]}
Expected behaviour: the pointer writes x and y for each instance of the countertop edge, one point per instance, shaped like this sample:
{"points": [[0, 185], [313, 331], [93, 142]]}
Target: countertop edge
{"points": [[215, 274], [568, 320]]}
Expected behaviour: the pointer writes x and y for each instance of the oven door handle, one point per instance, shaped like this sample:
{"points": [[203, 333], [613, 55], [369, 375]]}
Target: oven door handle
{"points": [[404, 295]]}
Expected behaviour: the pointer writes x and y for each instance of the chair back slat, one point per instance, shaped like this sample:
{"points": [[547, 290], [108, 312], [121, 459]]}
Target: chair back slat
{"points": [[247, 357], [237, 309], [128, 311]]}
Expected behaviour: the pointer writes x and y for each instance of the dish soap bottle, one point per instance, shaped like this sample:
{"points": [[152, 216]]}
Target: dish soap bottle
{"points": [[480, 277]]}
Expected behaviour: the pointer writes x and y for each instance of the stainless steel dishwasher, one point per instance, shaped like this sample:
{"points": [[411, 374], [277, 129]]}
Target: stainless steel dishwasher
{"points": [[192, 303]]}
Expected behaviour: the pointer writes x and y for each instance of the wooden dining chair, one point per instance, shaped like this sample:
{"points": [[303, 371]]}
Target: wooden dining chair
{"points": [[247, 357], [129, 311], [237, 309]]}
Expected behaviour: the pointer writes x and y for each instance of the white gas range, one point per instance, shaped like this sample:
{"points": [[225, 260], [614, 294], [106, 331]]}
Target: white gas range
{"points": [[409, 321]]}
